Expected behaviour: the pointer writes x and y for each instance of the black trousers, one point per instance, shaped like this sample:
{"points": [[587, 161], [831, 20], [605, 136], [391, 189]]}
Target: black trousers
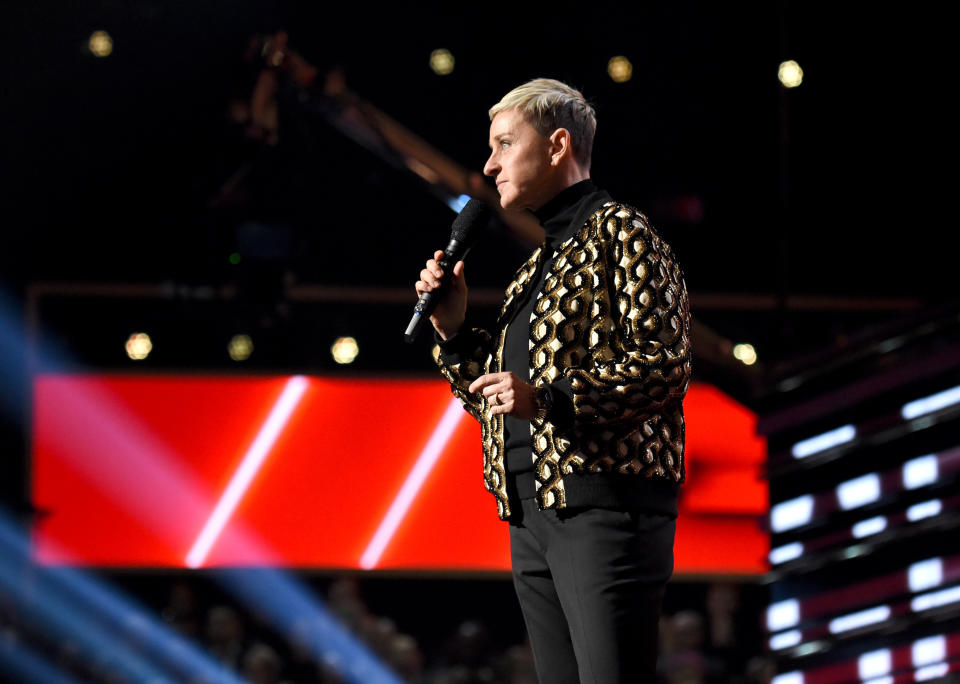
{"points": [[590, 583]]}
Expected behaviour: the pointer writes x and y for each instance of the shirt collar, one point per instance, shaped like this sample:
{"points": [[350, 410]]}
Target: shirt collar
{"points": [[565, 199]]}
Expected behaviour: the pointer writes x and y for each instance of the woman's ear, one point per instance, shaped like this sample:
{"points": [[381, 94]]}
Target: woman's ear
{"points": [[559, 146]]}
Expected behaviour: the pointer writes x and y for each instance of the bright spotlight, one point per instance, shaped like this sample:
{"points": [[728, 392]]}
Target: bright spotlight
{"points": [[240, 347], [790, 74], [870, 616], [793, 513], [620, 69], [139, 346], [100, 44], [788, 678], [875, 664], [827, 440], [344, 350], [859, 491], [783, 615], [442, 62], [745, 353], [930, 404]]}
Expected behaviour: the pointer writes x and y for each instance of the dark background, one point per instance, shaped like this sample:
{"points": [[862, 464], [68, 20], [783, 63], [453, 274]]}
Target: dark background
{"points": [[823, 208], [111, 164]]}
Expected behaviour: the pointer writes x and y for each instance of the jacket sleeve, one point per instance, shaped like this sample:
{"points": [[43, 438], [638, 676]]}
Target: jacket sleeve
{"points": [[462, 359], [639, 326]]}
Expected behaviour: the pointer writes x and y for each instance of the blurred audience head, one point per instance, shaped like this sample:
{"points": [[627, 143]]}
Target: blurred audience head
{"points": [[723, 597], [223, 625], [470, 644], [224, 635], [404, 657], [181, 611], [345, 600], [261, 665], [687, 629]]}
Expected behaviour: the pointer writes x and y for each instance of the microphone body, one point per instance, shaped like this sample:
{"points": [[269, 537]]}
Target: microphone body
{"points": [[463, 234]]}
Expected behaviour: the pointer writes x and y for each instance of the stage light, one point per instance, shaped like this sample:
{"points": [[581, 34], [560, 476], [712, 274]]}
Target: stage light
{"points": [[442, 62], [620, 69], [100, 44], [783, 614], [793, 513], [234, 258], [934, 402], [827, 440], [344, 350], [931, 672], [778, 642], [785, 553], [240, 347], [790, 74], [865, 528], [925, 574], [859, 491], [69, 604], [862, 618], [920, 471], [875, 663], [925, 509], [788, 678], [745, 353], [139, 346], [935, 599], [929, 651]]}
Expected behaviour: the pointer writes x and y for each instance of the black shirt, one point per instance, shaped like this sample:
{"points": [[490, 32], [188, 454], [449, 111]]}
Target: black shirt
{"points": [[561, 217]]}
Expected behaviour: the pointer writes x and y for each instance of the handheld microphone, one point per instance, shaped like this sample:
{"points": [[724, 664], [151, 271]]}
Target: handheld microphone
{"points": [[463, 234]]}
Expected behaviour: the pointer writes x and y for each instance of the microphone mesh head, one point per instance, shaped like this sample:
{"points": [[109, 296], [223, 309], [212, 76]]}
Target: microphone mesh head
{"points": [[473, 217]]}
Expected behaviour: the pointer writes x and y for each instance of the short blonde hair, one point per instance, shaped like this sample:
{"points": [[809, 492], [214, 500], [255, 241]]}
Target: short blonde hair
{"points": [[548, 105]]}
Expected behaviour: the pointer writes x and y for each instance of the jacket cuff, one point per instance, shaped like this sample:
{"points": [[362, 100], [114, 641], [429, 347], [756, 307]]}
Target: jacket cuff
{"points": [[561, 413], [457, 347]]}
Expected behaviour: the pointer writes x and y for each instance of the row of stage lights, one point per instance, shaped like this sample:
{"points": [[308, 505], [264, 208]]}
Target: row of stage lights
{"points": [[344, 350], [443, 63], [619, 68]]}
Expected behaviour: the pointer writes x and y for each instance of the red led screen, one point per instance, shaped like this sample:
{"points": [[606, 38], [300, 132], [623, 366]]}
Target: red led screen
{"points": [[174, 471]]}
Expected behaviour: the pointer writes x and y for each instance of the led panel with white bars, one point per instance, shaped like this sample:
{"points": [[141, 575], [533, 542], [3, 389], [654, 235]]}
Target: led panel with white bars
{"points": [[863, 468]]}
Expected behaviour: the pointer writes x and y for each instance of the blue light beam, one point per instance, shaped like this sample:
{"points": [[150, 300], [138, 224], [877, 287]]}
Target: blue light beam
{"points": [[291, 609], [25, 665], [70, 604]]}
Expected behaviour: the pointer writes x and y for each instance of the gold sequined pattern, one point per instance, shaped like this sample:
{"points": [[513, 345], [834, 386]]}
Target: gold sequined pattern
{"points": [[477, 361], [613, 319]]}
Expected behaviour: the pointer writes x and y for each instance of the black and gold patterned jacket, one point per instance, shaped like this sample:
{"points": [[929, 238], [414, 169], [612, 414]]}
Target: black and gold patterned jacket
{"points": [[612, 324]]}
